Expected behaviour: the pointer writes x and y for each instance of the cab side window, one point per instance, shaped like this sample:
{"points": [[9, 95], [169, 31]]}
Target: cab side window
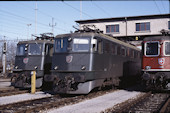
{"points": [[94, 44], [100, 46], [118, 50], [46, 50], [107, 47], [167, 48], [113, 49], [49, 50], [123, 51], [131, 53]]}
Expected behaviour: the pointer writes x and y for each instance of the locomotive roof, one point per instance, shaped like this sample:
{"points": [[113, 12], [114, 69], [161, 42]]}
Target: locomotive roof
{"points": [[99, 35], [38, 41], [156, 38]]}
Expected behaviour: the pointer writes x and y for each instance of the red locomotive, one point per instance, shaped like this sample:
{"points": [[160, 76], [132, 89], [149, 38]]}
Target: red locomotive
{"points": [[156, 62]]}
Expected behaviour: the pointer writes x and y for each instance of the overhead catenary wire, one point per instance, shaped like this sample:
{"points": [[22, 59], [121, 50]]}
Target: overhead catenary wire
{"points": [[46, 14], [163, 5], [30, 20], [77, 9], [101, 9], [8, 38], [157, 7], [11, 18], [12, 32], [83, 13], [19, 26], [15, 15], [12, 24]]}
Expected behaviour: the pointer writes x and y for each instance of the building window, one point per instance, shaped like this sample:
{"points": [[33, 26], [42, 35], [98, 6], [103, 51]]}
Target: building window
{"points": [[112, 28], [169, 25], [143, 26]]}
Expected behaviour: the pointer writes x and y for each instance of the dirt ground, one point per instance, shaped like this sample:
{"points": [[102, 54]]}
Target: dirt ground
{"points": [[5, 82]]}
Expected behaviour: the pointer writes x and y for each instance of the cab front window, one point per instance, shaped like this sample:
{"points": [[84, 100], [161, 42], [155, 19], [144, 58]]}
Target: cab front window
{"points": [[34, 49], [152, 49], [21, 49], [167, 48], [61, 45], [81, 44]]}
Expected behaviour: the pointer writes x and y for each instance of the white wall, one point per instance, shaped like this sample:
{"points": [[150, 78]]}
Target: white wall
{"points": [[155, 26]]}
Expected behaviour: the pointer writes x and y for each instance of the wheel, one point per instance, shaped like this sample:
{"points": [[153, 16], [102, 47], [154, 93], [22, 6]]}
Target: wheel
{"points": [[13, 80]]}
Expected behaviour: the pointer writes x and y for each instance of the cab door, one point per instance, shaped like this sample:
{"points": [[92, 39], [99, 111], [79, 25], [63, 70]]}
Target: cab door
{"points": [[48, 58]]}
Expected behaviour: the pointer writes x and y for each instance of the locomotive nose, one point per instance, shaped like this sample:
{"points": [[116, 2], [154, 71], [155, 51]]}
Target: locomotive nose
{"points": [[71, 62]]}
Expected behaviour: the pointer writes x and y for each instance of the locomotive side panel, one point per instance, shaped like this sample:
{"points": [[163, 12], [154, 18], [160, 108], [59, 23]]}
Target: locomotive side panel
{"points": [[107, 66]]}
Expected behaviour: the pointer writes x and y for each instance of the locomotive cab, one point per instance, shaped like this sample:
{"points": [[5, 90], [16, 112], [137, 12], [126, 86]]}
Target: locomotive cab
{"points": [[72, 63], [156, 62], [71, 50], [32, 55]]}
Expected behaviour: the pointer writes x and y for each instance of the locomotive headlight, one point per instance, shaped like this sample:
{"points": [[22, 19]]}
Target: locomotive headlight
{"points": [[56, 67], [16, 67], [69, 39], [83, 67], [147, 67], [36, 67]]}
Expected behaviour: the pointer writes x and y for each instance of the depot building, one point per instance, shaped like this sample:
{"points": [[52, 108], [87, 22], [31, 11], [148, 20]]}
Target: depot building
{"points": [[133, 28]]}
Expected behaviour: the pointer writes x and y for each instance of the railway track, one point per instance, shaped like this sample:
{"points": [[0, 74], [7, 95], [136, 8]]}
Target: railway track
{"points": [[166, 107], [12, 92], [56, 101], [150, 102]]}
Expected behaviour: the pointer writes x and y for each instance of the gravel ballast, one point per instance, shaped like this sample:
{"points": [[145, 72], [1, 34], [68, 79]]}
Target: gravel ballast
{"points": [[98, 104], [22, 97]]}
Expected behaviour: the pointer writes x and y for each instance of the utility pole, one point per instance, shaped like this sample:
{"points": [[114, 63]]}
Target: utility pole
{"points": [[126, 26], [80, 9], [36, 18], [80, 13], [52, 25], [4, 56], [28, 31]]}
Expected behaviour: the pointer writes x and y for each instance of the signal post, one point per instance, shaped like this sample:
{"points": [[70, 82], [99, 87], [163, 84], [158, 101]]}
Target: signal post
{"points": [[4, 57]]}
